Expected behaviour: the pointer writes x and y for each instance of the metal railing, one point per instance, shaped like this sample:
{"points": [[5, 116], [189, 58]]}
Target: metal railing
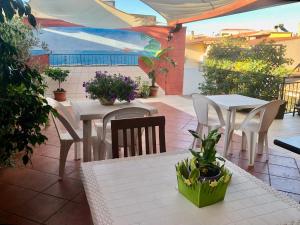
{"points": [[93, 59], [291, 93]]}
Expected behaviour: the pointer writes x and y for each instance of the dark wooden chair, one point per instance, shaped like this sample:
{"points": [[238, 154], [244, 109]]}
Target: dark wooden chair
{"points": [[297, 108], [135, 127]]}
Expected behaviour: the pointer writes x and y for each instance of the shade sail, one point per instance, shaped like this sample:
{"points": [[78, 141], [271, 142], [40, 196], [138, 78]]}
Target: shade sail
{"points": [[184, 11], [89, 13]]}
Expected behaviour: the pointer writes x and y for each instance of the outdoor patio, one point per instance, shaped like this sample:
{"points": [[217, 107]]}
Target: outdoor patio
{"points": [[33, 195], [170, 159]]}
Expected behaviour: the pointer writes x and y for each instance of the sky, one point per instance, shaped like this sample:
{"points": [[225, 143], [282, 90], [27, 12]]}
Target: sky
{"points": [[263, 19]]}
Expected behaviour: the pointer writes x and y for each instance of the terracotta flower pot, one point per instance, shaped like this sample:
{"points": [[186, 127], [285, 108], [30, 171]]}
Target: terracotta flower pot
{"points": [[60, 96], [153, 91], [104, 101]]}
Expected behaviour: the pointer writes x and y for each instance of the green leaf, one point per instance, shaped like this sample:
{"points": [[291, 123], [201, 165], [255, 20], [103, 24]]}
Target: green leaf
{"points": [[194, 175], [195, 134], [148, 61], [32, 20]]}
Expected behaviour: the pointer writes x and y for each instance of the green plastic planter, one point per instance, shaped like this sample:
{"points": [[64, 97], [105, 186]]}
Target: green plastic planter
{"points": [[204, 193]]}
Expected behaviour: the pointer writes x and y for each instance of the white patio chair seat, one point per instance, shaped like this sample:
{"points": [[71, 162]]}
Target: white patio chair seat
{"points": [[257, 123], [104, 131], [71, 134], [79, 132], [202, 106]]}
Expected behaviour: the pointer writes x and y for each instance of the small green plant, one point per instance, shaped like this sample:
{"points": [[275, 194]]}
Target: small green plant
{"points": [[155, 64], [59, 75], [204, 163], [203, 179], [145, 89]]}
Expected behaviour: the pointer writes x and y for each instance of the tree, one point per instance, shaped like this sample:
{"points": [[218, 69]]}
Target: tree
{"points": [[236, 68], [23, 109], [154, 64]]}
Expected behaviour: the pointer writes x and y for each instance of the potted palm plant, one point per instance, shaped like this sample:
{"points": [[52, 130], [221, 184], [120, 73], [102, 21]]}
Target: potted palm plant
{"points": [[59, 75], [203, 179], [155, 65]]}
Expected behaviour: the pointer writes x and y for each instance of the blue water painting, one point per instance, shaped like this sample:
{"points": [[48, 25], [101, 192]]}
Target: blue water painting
{"points": [[93, 46]]}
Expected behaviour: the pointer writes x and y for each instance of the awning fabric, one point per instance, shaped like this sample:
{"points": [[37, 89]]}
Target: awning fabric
{"points": [[89, 13], [96, 13], [184, 11]]}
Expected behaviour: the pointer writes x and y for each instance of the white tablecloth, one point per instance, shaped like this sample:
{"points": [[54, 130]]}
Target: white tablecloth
{"points": [[143, 191]]}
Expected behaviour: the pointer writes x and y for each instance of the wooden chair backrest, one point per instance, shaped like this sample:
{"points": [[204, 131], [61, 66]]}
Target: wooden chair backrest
{"points": [[139, 124]]}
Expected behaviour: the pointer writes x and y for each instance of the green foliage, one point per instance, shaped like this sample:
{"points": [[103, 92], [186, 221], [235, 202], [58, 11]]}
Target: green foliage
{"points": [[204, 163], [207, 154], [23, 109], [157, 64], [111, 87], [10, 8], [143, 87], [57, 74], [232, 67]]}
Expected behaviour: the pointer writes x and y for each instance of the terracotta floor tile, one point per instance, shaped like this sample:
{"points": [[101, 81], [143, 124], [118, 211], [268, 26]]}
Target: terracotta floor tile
{"points": [[67, 188], [72, 214], [51, 165], [283, 171], [12, 196], [80, 198], [27, 178], [10, 219], [285, 184], [39, 209], [75, 174], [258, 166]]}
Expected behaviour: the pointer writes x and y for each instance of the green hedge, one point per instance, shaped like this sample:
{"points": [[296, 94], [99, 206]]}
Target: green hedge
{"points": [[233, 67]]}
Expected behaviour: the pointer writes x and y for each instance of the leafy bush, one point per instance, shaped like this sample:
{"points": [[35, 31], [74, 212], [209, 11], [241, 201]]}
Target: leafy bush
{"points": [[23, 108], [232, 67], [57, 74], [111, 87]]}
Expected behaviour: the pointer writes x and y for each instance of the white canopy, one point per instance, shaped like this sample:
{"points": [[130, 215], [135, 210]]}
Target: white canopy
{"points": [[95, 13], [183, 11], [90, 13]]}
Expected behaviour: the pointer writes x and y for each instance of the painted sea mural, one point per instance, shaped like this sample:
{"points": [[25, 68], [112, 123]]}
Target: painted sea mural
{"points": [[93, 46]]}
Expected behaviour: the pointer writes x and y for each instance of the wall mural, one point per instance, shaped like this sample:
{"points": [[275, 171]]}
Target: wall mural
{"points": [[82, 45]]}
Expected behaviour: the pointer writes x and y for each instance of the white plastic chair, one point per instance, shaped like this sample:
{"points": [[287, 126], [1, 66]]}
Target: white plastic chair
{"points": [[72, 134], [104, 131], [202, 104], [257, 123]]}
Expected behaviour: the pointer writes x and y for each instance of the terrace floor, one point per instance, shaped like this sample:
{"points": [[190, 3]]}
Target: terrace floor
{"points": [[33, 195]]}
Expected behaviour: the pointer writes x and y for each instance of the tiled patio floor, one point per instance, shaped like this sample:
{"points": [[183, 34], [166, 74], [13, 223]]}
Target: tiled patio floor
{"points": [[33, 195]]}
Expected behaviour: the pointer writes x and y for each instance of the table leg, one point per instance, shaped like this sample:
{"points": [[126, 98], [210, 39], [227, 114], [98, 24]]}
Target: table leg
{"points": [[87, 133], [227, 132]]}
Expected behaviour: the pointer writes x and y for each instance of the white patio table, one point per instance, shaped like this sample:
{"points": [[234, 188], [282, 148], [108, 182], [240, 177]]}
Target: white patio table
{"points": [[88, 110], [231, 103], [143, 191]]}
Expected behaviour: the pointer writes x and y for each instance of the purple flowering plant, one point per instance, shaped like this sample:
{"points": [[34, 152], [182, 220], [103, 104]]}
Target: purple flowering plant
{"points": [[111, 87]]}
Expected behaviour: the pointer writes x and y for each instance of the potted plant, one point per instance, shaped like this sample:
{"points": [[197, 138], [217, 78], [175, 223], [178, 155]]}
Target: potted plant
{"points": [[155, 65], [59, 75], [107, 88], [203, 179]]}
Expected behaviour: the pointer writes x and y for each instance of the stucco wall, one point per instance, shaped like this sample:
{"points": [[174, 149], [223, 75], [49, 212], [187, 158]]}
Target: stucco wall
{"points": [[172, 82], [292, 50]]}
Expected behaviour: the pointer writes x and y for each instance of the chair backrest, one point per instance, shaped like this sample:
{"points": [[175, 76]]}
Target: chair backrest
{"points": [[124, 113], [65, 119], [266, 113], [149, 124], [201, 105]]}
